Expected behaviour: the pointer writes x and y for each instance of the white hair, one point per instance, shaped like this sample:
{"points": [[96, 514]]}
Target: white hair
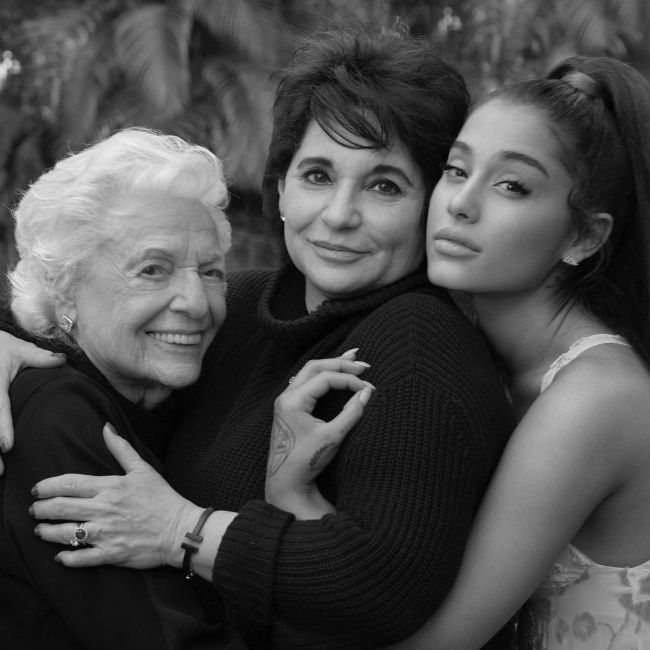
{"points": [[70, 210]]}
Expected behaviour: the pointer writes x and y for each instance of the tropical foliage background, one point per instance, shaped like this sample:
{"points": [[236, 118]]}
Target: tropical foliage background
{"points": [[75, 70]]}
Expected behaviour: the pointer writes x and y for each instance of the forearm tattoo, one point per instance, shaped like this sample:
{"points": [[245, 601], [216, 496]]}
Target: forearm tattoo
{"points": [[283, 440]]}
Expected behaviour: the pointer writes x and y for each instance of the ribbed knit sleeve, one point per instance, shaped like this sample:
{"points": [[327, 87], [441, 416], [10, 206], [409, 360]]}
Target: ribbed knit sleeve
{"points": [[247, 557], [406, 484]]}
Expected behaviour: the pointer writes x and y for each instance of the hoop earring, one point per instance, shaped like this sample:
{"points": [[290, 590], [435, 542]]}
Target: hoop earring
{"points": [[571, 260], [66, 323]]}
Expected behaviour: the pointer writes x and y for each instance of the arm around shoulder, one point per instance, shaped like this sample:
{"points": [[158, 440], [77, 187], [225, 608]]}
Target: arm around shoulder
{"points": [[559, 465], [407, 482]]}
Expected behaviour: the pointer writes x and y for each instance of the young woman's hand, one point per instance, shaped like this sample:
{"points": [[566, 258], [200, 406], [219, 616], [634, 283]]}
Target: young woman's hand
{"points": [[136, 520], [301, 445], [15, 355]]}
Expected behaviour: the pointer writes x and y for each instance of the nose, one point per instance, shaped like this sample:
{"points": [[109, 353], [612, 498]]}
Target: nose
{"points": [[342, 208], [464, 203], [190, 296]]}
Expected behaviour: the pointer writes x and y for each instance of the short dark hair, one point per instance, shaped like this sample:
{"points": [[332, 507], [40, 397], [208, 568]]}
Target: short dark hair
{"points": [[600, 108], [383, 87]]}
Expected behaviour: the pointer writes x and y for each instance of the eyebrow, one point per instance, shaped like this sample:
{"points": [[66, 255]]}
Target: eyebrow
{"points": [[214, 257], [155, 251], [378, 169], [508, 155]]}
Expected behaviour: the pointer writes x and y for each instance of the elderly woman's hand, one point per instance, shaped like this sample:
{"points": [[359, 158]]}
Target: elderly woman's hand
{"points": [[15, 355], [301, 445], [136, 520]]}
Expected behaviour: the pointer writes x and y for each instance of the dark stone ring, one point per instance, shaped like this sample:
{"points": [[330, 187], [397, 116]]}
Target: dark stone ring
{"points": [[80, 536]]}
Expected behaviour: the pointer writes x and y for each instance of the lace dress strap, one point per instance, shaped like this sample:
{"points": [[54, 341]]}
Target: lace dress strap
{"points": [[575, 350]]}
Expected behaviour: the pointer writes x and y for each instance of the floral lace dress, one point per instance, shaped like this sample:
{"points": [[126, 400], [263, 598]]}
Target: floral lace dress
{"points": [[583, 605]]}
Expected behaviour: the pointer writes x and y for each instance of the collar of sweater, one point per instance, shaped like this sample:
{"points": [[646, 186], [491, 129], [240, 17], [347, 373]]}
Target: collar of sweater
{"points": [[282, 313]]}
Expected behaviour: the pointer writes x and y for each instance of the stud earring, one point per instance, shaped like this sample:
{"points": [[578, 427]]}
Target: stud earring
{"points": [[571, 260], [281, 216], [66, 323]]}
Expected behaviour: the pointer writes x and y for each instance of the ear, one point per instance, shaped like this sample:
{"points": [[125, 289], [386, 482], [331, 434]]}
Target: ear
{"points": [[66, 307], [590, 242], [280, 187]]}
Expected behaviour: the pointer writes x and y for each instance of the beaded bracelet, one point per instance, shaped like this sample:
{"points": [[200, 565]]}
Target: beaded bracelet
{"points": [[194, 536]]}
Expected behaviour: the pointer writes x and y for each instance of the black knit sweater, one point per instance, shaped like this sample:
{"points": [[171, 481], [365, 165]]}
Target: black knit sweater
{"points": [[406, 482]]}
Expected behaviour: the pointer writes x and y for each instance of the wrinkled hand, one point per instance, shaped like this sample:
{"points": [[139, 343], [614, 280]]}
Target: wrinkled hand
{"points": [[15, 355], [301, 445], [136, 520]]}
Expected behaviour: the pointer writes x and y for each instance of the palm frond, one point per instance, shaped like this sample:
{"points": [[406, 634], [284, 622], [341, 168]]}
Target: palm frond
{"points": [[152, 48], [251, 29], [588, 23], [242, 99], [630, 13], [92, 75]]}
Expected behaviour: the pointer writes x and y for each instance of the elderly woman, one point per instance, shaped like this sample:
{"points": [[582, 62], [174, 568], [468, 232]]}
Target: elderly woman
{"points": [[362, 125], [122, 253]]}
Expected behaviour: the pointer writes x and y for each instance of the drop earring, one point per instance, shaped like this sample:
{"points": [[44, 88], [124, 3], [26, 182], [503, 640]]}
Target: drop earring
{"points": [[66, 323], [571, 260]]}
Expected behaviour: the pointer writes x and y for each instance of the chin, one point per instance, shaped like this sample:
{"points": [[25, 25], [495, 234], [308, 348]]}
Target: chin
{"points": [[443, 278], [179, 379], [341, 287]]}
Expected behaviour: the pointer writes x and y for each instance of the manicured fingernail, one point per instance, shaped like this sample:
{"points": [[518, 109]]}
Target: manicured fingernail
{"points": [[365, 394], [350, 354], [57, 559], [4, 445], [31, 511], [37, 532], [110, 428], [59, 355], [362, 363], [34, 492], [369, 385]]}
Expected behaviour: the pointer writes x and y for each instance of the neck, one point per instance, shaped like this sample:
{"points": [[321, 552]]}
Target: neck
{"points": [[146, 395], [147, 398], [313, 297]]}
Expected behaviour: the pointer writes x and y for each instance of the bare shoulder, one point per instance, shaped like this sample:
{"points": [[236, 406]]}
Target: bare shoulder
{"points": [[605, 377], [601, 400]]}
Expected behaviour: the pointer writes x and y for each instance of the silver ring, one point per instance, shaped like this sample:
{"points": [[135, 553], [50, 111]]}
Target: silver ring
{"points": [[291, 379], [80, 536]]}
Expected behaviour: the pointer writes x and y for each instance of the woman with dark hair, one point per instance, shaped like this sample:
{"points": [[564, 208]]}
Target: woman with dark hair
{"points": [[362, 125], [543, 216]]}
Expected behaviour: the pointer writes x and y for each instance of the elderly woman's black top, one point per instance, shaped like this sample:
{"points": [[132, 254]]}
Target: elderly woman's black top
{"points": [[58, 417]]}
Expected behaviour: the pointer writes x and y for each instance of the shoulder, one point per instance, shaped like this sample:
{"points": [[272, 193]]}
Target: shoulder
{"points": [[243, 293], [243, 285], [420, 344], [426, 326], [428, 307], [606, 380], [600, 402], [43, 383], [51, 404]]}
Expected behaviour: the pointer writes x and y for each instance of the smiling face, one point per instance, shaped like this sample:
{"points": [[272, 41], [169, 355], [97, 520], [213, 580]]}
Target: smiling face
{"points": [[352, 216], [148, 304], [499, 220]]}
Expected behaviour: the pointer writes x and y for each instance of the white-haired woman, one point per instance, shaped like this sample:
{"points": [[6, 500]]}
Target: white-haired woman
{"points": [[122, 251]]}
